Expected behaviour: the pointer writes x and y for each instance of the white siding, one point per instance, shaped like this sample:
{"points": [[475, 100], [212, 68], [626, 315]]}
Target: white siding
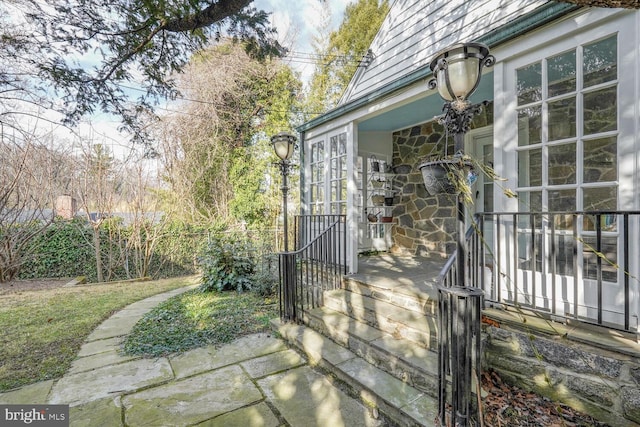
{"points": [[414, 30]]}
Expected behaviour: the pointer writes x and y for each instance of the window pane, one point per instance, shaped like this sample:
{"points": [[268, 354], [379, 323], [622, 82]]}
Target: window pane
{"points": [[565, 250], [562, 200], [609, 251], [562, 164], [561, 71], [600, 199], [601, 160], [343, 144], [488, 198], [529, 84], [319, 172], [600, 111], [562, 119], [530, 201], [530, 250], [600, 61], [530, 168], [334, 146], [608, 222], [529, 125]]}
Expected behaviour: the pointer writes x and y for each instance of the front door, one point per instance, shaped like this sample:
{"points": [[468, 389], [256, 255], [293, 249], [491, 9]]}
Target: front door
{"points": [[480, 147], [375, 183]]}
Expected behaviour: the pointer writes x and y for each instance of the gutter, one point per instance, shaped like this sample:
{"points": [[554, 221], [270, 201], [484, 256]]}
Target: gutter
{"points": [[526, 23]]}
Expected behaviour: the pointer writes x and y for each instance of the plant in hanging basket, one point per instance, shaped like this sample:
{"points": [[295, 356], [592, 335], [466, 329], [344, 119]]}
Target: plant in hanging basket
{"points": [[448, 175]]}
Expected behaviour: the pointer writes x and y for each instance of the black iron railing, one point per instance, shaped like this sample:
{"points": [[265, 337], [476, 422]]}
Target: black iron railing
{"points": [[459, 345], [565, 265], [316, 266]]}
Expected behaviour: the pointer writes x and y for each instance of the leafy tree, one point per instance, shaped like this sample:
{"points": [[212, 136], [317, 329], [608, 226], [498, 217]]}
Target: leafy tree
{"points": [[86, 53], [215, 149], [342, 55]]}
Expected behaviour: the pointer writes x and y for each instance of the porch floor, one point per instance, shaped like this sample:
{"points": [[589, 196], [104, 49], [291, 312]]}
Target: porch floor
{"points": [[401, 274]]}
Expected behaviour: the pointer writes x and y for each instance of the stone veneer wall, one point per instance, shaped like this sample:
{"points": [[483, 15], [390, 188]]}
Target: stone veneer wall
{"points": [[603, 382], [425, 224]]}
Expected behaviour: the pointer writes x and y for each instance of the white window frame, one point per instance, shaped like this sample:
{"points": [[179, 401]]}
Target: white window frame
{"points": [[578, 30]]}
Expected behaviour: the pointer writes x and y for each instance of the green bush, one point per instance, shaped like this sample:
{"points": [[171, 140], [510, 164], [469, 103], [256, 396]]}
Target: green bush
{"points": [[177, 249], [264, 282], [232, 260], [63, 250], [227, 265]]}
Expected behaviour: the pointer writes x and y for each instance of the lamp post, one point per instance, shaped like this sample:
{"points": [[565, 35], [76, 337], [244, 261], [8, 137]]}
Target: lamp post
{"points": [[457, 71], [284, 144]]}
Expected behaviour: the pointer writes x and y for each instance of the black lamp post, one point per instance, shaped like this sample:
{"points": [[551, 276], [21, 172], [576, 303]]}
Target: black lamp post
{"points": [[284, 144], [457, 71]]}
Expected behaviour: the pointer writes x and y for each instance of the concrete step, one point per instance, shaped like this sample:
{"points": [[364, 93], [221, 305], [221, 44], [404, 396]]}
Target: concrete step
{"points": [[396, 400], [420, 327], [410, 363]]}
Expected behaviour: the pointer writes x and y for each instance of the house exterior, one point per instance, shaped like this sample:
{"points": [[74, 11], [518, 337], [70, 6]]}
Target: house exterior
{"points": [[561, 127]]}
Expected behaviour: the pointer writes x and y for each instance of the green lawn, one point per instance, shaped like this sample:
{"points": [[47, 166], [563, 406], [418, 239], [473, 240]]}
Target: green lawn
{"points": [[195, 319], [42, 331]]}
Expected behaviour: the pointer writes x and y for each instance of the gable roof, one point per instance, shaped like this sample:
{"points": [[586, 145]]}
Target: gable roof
{"points": [[414, 30]]}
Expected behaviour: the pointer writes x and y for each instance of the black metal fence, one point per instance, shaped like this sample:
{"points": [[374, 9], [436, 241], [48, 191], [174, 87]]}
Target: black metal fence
{"points": [[563, 265], [317, 264]]}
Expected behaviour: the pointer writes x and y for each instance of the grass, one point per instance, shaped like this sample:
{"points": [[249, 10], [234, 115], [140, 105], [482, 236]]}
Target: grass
{"points": [[42, 331], [196, 319]]}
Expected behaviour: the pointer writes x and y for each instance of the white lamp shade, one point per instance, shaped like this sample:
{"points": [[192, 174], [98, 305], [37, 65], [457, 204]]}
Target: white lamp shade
{"points": [[283, 145], [457, 70], [463, 74]]}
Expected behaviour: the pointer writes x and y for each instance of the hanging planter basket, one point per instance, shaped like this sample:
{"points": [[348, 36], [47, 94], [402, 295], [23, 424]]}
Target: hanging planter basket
{"points": [[438, 174]]}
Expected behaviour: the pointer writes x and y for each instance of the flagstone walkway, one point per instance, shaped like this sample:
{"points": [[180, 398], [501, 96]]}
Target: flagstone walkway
{"points": [[254, 381]]}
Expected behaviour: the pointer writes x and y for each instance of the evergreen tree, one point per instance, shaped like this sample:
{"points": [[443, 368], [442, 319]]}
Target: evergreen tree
{"points": [[342, 54]]}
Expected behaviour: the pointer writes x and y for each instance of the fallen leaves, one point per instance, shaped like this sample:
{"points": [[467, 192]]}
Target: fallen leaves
{"points": [[506, 405]]}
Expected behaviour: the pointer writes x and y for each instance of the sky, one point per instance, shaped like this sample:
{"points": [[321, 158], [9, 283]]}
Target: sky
{"points": [[297, 22]]}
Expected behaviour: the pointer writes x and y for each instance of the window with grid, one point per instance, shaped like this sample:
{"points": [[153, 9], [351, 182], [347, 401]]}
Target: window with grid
{"points": [[567, 143], [316, 188], [338, 174]]}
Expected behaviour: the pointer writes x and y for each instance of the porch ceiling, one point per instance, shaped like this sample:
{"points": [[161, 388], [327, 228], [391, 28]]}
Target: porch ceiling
{"points": [[421, 110]]}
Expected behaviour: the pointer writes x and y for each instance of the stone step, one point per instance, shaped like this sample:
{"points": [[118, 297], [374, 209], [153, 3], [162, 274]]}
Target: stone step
{"points": [[412, 364], [397, 401], [416, 326], [406, 296]]}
